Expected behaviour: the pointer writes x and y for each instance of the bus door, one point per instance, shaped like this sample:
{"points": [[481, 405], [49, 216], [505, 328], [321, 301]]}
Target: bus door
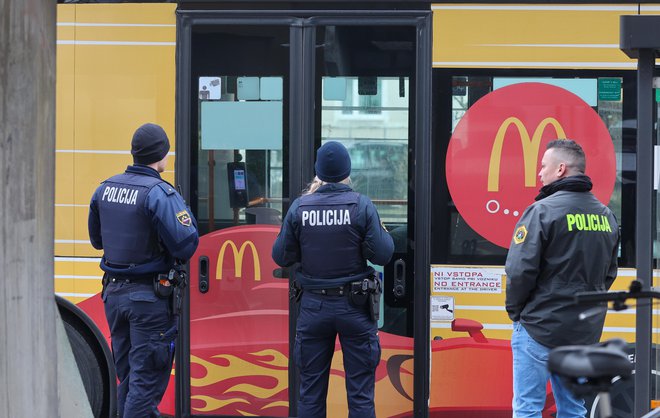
{"points": [[365, 97], [257, 95]]}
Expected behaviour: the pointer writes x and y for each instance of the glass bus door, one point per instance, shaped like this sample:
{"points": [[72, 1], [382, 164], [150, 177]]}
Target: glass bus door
{"points": [[239, 80], [258, 95], [364, 98]]}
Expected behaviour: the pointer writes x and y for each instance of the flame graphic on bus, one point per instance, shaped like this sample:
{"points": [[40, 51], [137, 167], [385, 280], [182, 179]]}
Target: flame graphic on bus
{"points": [[257, 383], [239, 380]]}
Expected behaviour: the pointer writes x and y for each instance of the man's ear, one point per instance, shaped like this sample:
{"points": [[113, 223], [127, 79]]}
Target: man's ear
{"points": [[561, 170]]}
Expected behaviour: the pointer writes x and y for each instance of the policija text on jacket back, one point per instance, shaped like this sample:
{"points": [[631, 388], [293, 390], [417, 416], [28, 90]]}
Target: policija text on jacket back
{"points": [[330, 232], [145, 231]]}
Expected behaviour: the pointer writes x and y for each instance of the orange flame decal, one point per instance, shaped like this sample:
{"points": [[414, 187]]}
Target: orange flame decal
{"points": [[267, 374]]}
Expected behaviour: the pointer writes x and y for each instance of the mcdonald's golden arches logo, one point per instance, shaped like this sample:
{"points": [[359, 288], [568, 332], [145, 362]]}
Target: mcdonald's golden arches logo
{"points": [[530, 149], [238, 253]]}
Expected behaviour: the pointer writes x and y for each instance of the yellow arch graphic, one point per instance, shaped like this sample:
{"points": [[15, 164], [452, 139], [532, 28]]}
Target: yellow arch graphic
{"points": [[238, 259], [530, 149]]}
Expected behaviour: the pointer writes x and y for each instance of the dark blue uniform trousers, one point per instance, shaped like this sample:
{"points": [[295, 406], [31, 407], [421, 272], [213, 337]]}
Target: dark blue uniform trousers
{"points": [[143, 333], [321, 319]]}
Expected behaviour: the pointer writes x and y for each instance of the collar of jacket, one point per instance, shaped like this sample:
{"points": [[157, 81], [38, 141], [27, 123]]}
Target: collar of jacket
{"points": [[142, 169], [334, 187], [579, 183]]}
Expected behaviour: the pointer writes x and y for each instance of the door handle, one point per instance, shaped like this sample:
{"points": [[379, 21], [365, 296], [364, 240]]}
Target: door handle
{"points": [[203, 274], [399, 282]]}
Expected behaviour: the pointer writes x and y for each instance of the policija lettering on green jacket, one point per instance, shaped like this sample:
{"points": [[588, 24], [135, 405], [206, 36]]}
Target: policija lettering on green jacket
{"points": [[587, 222]]}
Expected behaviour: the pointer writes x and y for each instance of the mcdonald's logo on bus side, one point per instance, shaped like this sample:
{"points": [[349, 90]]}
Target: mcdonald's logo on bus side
{"points": [[492, 178], [530, 148], [238, 254]]}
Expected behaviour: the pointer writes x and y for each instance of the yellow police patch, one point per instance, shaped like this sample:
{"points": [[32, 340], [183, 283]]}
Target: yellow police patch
{"points": [[184, 218], [520, 235]]}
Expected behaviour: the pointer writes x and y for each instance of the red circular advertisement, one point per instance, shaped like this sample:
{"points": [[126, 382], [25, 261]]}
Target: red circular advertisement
{"points": [[495, 152]]}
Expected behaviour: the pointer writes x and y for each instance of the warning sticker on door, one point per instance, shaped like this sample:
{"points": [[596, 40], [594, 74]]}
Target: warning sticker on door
{"points": [[465, 280], [442, 308]]}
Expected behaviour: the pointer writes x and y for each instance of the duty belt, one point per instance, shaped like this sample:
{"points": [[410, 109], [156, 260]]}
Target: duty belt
{"points": [[365, 285], [335, 291], [131, 279]]}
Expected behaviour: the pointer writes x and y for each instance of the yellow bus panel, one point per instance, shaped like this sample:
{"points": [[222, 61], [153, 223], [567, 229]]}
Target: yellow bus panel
{"points": [[116, 71], [531, 36]]}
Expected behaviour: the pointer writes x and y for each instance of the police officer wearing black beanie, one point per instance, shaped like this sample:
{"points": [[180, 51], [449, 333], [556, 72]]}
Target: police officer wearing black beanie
{"points": [[144, 228], [331, 231]]}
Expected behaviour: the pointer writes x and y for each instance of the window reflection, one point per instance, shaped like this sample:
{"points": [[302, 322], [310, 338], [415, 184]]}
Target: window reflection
{"points": [[371, 120]]}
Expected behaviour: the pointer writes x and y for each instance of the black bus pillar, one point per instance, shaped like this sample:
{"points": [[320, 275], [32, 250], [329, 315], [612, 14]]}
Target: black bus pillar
{"points": [[640, 39]]}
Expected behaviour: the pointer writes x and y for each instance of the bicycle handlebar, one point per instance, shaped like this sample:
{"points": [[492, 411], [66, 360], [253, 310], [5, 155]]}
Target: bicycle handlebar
{"points": [[619, 297]]}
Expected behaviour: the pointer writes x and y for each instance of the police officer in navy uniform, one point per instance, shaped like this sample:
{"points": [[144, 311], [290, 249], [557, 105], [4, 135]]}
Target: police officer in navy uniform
{"points": [[144, 228], [331, 231]]}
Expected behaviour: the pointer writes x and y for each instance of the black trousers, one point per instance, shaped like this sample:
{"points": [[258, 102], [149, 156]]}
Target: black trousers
{"points": [[143, 332], [321, 319]]}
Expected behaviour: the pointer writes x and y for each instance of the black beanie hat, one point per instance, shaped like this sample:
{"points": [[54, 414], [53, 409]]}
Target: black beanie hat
{"points": [[333, 164], [149, 144]]}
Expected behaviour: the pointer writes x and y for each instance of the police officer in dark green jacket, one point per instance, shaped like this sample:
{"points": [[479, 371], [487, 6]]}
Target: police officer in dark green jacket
{"points": [[566, 242]]}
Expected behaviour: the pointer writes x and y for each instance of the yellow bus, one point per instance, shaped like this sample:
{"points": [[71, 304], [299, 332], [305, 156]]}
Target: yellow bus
{"points": [[443, 107]]}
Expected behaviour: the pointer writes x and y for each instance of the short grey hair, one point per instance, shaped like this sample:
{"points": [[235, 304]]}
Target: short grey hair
{"points": [[570, 153]]}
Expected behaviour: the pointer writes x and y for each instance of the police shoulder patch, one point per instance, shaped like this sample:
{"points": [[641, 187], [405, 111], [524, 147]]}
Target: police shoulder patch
{"points": [[520, 235], [184, 218]]}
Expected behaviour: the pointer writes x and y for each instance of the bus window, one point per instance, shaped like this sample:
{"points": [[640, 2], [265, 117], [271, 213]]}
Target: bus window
{"points": [[471, 243], [240, 122], [369, 115]]}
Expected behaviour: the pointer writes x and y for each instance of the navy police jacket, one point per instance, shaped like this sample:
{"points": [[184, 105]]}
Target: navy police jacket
{"points": [[141, 223], [332, 233]]}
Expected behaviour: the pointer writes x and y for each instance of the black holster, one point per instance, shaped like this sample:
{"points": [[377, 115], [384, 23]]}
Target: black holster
{"points": [[295, 291], [104, 284], [176, 300], [366, 293], [178, 294], [171, 286], [162, 286], [356, 295], [374, 302]]}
